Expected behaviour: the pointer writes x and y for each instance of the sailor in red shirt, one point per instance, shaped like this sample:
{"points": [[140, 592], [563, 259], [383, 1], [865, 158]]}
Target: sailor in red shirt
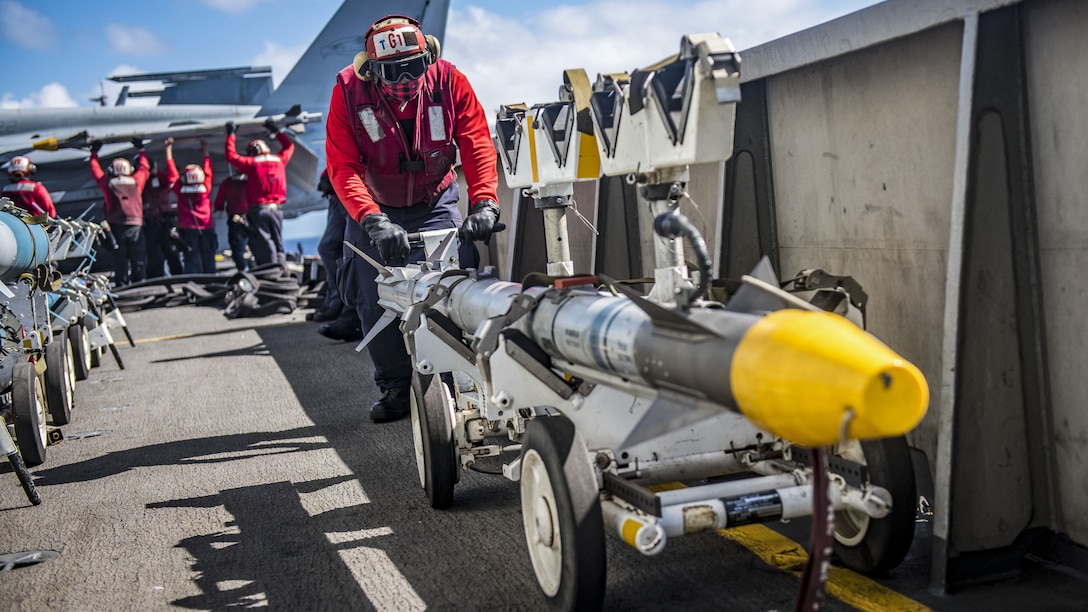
{"points": [[29, 195], [266, 191], [195, 223], [231, 198], [160, 225], [397, 119], [123, 188]]}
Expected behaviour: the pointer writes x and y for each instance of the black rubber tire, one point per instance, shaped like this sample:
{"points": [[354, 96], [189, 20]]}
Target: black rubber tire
{"points": [[81, 350], [96, 357], [558, 478], [886, 541], [436, 454], [28, 412], [60, 380]]}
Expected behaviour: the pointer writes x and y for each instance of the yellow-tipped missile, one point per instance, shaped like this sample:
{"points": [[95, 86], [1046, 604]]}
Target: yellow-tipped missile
{"points": [[803, 375], [46, 144], [815, 377]]}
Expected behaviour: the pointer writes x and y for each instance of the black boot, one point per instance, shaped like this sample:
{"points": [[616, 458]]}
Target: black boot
{"points": [[345, 328], [323, 315], [392, 406]]}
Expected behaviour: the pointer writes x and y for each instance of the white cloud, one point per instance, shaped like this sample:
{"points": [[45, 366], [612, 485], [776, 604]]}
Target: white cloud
{"points": [[134, 40], [231, 6], [280, 58], [53, 95], [26, 28], [511, 61]]}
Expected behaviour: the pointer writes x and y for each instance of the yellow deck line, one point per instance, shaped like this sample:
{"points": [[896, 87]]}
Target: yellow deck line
{"points": [[849, 587]]}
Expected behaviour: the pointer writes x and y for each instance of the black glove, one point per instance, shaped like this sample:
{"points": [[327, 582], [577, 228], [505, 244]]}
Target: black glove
{"points": [[96, 145], [231, 128], [271, 126], [390, 238], [480, 222], [138, 143]]}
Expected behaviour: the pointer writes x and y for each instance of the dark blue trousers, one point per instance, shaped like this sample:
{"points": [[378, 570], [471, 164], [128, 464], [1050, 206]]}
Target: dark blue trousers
{"points": [[392, 367], [330, 249], [266, 234]]}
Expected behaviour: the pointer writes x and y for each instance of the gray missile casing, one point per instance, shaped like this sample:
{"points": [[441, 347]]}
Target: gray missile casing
{"points": [[598, 330]]}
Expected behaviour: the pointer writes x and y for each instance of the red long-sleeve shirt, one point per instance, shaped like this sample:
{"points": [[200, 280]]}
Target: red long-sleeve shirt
{"points": [[266, 175], [473, 137], [231, 196], [194, 205], [122, 208], [157, 197], [31, 196]]}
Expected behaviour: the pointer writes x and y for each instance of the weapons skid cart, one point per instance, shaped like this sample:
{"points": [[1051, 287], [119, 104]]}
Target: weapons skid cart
{"points": [[48, 323], [25, 278], [605, 392]]}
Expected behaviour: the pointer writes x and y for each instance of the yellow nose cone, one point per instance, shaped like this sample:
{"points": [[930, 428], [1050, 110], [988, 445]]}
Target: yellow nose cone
{"points": [[46, 144], [797, 374]]}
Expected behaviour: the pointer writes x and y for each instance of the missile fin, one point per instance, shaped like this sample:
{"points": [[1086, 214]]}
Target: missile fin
{"points": [[382, 323], [379, 267], [667, 413], [660, 315], [752, 299]]}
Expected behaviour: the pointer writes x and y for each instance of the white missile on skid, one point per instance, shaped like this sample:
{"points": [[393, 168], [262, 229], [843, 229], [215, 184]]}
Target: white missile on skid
{"points": [[810, 377]]}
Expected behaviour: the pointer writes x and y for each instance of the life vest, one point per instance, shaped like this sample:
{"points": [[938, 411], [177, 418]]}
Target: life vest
{"points": [[125, 206], [400, 173], [22, 195]]}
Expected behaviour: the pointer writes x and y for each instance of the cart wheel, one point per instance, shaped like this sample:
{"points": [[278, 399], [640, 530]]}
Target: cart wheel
{"points": [[28, 411], [873, 546], [436, 455], [81, 350], [561, 510], [96, 356], [60, 379]]}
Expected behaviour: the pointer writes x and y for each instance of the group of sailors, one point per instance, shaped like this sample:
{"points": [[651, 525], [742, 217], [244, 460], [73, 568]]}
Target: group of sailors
{"points": [[159, 220]]}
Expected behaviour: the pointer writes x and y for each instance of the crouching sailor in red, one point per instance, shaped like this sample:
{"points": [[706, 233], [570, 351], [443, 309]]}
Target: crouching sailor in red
{"points": [[195, 224], [397, 119], [28, 195]]}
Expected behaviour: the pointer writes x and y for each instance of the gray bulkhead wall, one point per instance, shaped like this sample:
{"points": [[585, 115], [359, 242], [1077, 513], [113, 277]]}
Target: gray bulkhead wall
{"points": [[1056, 42]]}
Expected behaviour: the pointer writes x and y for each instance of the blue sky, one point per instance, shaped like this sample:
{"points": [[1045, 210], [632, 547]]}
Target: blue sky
{"points": [[58, 52]]}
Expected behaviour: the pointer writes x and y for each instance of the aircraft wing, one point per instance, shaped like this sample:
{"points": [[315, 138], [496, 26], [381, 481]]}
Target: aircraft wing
{"points": [[294, 119]]}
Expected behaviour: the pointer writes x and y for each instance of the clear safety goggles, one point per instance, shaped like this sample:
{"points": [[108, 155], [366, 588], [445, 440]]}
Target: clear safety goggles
{"points": [[395, 71]]}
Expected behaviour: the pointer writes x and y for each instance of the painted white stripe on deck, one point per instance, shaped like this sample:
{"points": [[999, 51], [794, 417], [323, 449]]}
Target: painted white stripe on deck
{"points": [[339, 537], [380, 579]]}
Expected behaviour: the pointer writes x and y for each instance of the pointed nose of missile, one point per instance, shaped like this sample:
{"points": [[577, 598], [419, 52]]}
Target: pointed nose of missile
{"points": [[46, 144], [798, 374]]}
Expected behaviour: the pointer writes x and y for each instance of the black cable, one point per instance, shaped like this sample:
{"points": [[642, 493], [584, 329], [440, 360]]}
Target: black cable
{"points": [[674, 224], [488, 472]]}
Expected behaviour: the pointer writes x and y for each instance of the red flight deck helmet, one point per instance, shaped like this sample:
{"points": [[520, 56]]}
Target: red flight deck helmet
{"points": [[20, 167], [397, 49], [258, 147]]}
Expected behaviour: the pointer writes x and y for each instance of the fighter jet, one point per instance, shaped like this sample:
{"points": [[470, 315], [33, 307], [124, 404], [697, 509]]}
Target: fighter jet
{"points": [[197, 104]]}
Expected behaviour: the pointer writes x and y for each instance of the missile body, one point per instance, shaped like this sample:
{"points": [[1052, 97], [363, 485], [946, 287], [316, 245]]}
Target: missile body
{"points": [[806, 376], [23, 246]]}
